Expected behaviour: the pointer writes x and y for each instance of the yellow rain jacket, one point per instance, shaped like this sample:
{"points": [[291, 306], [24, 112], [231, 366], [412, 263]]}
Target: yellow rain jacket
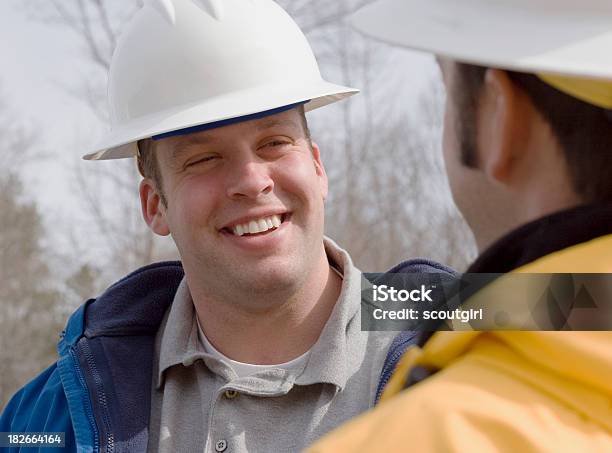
{"points": [[503, 391]]}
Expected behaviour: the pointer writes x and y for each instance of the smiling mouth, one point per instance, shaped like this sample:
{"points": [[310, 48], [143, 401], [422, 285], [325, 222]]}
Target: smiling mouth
{"points": [[259, 226]]}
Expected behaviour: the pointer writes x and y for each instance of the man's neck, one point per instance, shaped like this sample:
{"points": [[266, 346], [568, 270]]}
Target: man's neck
{"points": [[286, 330]]}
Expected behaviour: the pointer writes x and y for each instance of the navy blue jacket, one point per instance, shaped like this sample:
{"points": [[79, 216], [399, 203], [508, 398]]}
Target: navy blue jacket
{"points": [[99, 391]]}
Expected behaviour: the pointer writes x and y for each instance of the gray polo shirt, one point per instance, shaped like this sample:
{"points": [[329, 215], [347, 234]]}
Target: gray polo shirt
{"points": [[198, 403]]}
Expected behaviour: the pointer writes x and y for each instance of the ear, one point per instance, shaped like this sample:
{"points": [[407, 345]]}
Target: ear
{"points": [[153, 210], [503, 120], [320, 170]]}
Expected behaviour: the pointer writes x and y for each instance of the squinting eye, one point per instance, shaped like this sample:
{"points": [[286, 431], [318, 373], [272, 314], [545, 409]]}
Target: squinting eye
{"points": [[275, 143], [201, 161]]}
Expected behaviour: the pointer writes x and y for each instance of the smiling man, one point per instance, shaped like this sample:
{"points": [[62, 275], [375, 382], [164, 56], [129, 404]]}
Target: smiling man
{"points": [[252, 342], [244, 204]]}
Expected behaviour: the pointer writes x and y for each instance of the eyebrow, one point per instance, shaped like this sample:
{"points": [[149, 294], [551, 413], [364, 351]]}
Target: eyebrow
{"points": [[178, 149], [273, 122]]}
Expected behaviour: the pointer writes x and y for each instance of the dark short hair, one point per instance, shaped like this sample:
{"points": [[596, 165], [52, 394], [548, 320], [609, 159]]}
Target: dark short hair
{"points": [[149, 167], [583, 130]]}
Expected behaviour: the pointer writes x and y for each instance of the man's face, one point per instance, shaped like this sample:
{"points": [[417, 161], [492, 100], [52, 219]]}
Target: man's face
{"points": [[245, 203]]}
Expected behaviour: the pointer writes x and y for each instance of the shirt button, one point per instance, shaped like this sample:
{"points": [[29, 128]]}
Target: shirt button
{"points": [[221, 445], [230, 394]]}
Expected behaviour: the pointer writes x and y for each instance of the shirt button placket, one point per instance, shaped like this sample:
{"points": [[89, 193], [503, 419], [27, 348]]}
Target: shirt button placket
{"points": [[221, 445]]}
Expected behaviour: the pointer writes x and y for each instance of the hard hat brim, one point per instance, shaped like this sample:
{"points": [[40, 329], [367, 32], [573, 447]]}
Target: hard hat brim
{"points": [[540, 36], [121, 142]]}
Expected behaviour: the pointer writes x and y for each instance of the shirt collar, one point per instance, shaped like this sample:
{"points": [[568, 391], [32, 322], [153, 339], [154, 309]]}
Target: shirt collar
{"points": [[179, 343], [178, 332], [328, 356]]}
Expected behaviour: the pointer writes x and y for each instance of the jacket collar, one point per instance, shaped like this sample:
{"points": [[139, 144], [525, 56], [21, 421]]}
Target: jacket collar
{"points": [[540, 238], [545, 236], [134, 305]]}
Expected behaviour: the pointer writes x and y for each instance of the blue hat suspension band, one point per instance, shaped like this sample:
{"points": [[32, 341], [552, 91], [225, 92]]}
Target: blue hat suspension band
{"points": [[227, 122]]}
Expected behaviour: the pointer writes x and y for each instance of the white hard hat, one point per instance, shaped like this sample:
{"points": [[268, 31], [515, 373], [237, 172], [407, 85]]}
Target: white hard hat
{"points": [[184, 63], [564, 37]]}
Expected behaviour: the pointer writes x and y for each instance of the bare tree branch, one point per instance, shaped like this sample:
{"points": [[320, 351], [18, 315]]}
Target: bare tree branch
{"points": [[87, 32]]}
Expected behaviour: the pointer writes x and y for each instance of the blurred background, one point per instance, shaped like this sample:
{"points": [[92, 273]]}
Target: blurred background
{"points": [[69, 228]]}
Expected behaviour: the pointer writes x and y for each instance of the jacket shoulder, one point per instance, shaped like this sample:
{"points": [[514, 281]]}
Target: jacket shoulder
{"points": [[40, 406], [491, 399]]}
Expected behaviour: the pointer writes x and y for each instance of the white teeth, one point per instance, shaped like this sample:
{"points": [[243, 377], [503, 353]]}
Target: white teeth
{"points": [[257, 226]]}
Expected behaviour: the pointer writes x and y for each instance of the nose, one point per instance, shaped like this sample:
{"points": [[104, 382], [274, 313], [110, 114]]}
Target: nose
{"points": [[249, 180]]}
